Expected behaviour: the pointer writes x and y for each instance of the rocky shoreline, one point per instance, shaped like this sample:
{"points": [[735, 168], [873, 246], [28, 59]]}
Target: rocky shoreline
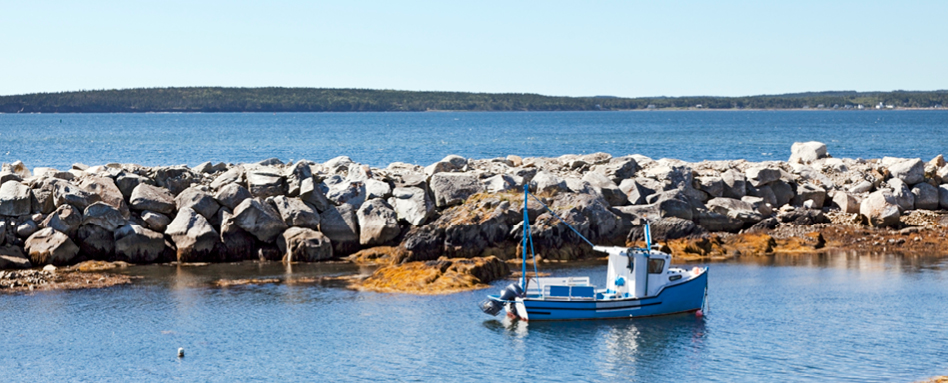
{"points": [[461, 208]]}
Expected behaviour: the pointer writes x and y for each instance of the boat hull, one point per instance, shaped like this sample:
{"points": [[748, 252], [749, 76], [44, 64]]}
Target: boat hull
{"points": [[683, 297]]}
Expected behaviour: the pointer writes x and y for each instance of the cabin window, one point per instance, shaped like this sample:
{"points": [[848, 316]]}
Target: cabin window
{"points": [[656, 266]]}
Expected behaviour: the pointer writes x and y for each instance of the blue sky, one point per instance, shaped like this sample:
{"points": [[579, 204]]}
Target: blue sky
{"points": [[727, 48]]}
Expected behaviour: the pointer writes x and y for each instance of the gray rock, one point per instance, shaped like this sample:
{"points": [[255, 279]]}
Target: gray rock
{"points": [[49, 246], [265, 182], [809, 191], [107, 191], [378, 223], [341, 225], [861, 187], [155, 221], [231, 195], [500, 183], [880, 209], [175, 178], [377, 189], [15, 199], [665, 229], [103, 215], [734, 208], [618, 169], [198, 199], [734, 184], [713, 186], [273, 161], [44, 195], [911, 171], [715, 222], [609, 190], [231, 176], [549, 183], [137, 244], [236, 243], [295, 175], [672, 176], [259, 219], [903, 195], [926, 196], [526, 174], [305, 245], [941, 175], [761, 206], [759, 176], [807, 152], [65, 219], [127, 182], [8, 176], [943, 196], [412, 205], [96, 242], [438, 167], [451, 189], [154, 198], [73, 195], [26, 229], [347, 192], [766, 192], [313, 196], [193, 236], [639, 189], [12, 257], [296, 213], [846, 202], [783, 192]]}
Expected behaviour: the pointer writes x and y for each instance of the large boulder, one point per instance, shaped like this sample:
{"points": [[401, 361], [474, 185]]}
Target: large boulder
{"points": [[639, 189], [341, 225], [735, 184], [548, 183], [12, 257], [846, 202], [412, 205], [378, 223], [501, 183], [73, 195], [880, 209], [231, 176], [713, 221], [103, 215], [65, 219], [735, 208], [259, 219], [127, 182], [197, 199], [107, 191], [305, 245], [295, 175], [759, 176], [807, 152], [713, 186], [49, 246], [943, 196], [451, 189], [810, 192], [347, 192], [95, 241], [296, 213], [311, 194], [783, 192], [911, 171], [903, 195], [231, 195], [193, 236], [609, 190], [671, 176], [265, 182], [175, 178], [666, 229], [618, 169], [137, 244], [154, 198], [155, 221], [15, 199], [236, 243], [926, 196], [377, 189]]}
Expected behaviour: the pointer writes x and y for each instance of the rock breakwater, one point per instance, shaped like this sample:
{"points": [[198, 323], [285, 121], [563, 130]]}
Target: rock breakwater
{"points": [[456, 208]]}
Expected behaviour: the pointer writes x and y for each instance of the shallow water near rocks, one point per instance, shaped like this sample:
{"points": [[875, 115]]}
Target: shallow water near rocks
{"points": [[802, 318], [377, 139]]}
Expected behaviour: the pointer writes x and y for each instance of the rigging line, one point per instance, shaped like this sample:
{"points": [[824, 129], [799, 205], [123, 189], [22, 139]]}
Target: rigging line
{"points": [[536, 274], [562, 220]]}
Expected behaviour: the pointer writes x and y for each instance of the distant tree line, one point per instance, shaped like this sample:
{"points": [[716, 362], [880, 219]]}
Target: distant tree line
{"points": [[215, 99]]}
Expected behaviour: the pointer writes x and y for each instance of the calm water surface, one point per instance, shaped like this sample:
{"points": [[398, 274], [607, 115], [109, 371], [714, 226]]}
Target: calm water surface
{"points": [[59, 140], [812, 318]]}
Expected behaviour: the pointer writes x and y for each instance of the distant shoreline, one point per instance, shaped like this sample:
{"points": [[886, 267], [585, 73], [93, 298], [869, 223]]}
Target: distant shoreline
{"points": [[273, 100], [517, 111]]}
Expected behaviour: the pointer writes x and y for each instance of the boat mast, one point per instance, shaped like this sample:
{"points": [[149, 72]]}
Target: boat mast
{"points": [[526, 231]]}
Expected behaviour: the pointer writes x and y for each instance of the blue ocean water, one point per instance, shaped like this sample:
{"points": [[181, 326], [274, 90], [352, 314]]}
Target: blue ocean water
{"points": [[59, 140], [798, 318]]}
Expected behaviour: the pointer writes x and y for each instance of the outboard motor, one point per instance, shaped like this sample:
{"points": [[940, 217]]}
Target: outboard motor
{"points": [[492, 307]]}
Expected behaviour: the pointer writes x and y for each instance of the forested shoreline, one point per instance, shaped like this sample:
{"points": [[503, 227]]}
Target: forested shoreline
{"points": [[274, 99]]}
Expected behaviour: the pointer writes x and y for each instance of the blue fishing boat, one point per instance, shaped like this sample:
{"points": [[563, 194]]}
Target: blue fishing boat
{"points": [[640, 282]]}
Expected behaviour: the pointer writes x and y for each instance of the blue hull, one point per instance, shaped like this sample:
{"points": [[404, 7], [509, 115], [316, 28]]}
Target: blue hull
{"points": [[684, 297]]}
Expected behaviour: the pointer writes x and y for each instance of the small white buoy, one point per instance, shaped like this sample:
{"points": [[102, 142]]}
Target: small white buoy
{"points": [[181, 352]]}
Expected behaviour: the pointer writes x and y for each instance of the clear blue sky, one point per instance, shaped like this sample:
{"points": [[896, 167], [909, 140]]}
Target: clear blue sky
{"points": [[577, 48]]}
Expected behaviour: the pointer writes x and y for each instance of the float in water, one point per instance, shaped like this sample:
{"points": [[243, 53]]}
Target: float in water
{"points": [[640, 282]]}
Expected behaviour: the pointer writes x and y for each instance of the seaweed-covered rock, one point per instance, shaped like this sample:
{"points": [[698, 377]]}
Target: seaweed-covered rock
{"points": [[49, 246]]}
